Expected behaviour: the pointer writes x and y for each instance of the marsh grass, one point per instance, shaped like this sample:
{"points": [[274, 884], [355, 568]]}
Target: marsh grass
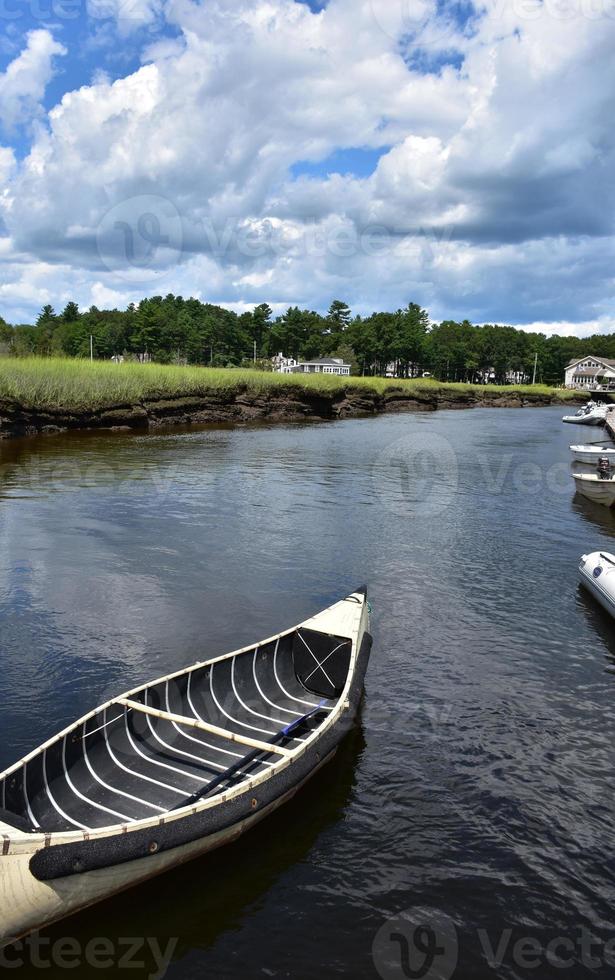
{"points": [[59, 383]]}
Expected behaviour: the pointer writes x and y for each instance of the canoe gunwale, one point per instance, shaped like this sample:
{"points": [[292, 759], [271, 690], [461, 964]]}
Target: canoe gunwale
{"points": [[16, 841]]}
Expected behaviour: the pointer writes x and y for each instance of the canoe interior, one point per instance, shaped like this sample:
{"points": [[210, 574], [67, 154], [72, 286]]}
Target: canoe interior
{"points": [[121, 766]]}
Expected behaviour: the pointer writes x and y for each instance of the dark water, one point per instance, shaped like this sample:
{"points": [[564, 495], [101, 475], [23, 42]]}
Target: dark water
{"points": [[476, 794]]}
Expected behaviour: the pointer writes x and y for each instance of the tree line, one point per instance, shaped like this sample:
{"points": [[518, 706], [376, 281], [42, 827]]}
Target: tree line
{"points": [[405, 343]]}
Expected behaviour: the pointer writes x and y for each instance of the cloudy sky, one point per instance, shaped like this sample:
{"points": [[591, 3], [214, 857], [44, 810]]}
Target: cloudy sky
{"points": [[377, 151]]}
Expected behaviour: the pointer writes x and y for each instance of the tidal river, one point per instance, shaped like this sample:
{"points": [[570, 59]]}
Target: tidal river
{"points": [[465, 828]]}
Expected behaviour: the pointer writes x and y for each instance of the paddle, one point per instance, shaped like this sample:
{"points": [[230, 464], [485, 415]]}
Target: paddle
{"points": [[251, 757]]}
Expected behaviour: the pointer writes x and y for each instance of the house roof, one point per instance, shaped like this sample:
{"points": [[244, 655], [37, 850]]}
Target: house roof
{"points": [[334, 361], [601, 360]]}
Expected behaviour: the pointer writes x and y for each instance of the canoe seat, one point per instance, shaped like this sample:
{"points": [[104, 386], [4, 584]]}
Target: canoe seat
{"points": [[321, 662]]}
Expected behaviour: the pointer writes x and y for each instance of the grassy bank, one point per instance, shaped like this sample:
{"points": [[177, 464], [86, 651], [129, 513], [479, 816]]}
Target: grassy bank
{"points": [[78, 385]]}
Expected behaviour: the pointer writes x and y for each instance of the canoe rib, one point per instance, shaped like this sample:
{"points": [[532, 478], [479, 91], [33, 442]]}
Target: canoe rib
{"points": [[203, 726]]}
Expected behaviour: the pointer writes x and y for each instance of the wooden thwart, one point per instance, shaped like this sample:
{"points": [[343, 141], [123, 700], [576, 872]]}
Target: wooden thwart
{"points": [[203, 726]]}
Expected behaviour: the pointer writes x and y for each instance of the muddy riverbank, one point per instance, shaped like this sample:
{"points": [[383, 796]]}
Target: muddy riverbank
{"points": [[244, 404]]}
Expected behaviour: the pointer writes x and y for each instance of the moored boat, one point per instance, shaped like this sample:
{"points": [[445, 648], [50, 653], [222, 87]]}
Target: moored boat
{"points": [[591, 414], [597, 572], [599, 489], [591, 452], [175, 768]]}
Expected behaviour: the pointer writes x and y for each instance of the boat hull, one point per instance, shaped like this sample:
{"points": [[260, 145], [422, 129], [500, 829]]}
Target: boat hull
{"points": [[591, 455], [579, 420], [598, 491], [28, 904], [597, 575]]}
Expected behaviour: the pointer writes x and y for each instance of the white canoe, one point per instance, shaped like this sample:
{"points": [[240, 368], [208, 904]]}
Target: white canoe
{"points": [[592, 487], [597, 573], [592, 452], [175, 768]]}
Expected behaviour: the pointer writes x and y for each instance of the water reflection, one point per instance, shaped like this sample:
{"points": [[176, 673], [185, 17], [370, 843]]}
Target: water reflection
{"points": [[602, 518], [117, 462], [601, 623]]}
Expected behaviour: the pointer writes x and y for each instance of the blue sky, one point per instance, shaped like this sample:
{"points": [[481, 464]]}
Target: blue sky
{"points": [[92, 48], [293, 151], [356, 161]]}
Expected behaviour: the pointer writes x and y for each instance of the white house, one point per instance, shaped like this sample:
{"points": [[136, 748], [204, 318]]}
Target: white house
{"points": [[322, 365], [283, 365], [590, 372]]}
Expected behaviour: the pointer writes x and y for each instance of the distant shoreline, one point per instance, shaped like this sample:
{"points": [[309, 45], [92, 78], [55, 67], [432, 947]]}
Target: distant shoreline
{"points": [[46, 396]]}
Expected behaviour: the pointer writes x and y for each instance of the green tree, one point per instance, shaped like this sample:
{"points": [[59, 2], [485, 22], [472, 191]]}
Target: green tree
{"points": [[409, 345], [347, 355], [70, 313], [339, 313], [261, 319], [297, 333], [47, 315], [362, 337], [149, 326], [24, 340], [6, 337]]}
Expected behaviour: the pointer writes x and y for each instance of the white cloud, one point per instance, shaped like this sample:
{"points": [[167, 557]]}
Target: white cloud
{"points": [[564, 328], [495, 199], [129, 15], [108, 299], [23, 83]]}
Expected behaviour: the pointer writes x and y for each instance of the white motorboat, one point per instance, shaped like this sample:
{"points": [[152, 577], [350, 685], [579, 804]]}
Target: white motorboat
{"points": [[597, 573], [591, 452], [591, 414], [599, 489]]}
